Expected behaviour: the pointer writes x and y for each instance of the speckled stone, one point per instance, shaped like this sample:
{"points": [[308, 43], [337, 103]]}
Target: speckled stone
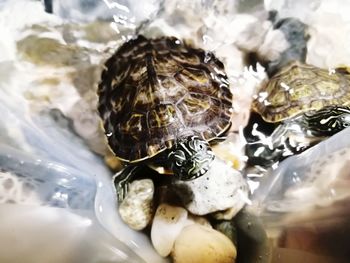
{"points": [[222, 187], [136, 209]]}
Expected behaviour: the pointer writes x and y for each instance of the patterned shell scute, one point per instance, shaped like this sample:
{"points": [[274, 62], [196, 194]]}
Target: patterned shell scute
{"points": [[298, 88], [154, 90]]}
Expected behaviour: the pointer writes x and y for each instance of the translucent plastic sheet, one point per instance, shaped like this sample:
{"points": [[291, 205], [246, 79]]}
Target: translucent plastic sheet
{"points": [[49, 174], [306, 184], [304, 204], [47, 210], [45, 165], [307, 200], [56, 197]]}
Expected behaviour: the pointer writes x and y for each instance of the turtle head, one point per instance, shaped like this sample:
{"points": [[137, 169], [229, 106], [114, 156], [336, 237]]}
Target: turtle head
{"points": [[327, 121], [190, 158]]}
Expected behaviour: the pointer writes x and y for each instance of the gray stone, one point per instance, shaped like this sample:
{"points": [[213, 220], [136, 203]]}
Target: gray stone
{"points": [[228, 228]]}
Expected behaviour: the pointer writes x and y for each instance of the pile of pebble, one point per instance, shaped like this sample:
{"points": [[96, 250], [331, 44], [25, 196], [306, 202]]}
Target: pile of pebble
{"points": [[192, 221]]}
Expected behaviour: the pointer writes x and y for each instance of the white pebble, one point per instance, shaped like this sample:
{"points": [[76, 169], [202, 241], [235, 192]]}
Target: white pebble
{"points": [[167, 224]]}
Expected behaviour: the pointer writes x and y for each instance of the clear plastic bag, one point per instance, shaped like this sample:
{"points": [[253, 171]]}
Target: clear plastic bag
{"points": [[307, 186], [48, 210], [44, 164], [63, 181], [304, 204], [57, 196]]}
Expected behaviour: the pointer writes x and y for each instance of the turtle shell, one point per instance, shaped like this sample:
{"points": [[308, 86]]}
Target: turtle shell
{"points": [[298, 88], [154, 91]]}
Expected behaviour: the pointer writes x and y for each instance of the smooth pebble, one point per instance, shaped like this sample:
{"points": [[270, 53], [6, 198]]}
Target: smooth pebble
{"points": [[201, 244], [168, 223]]}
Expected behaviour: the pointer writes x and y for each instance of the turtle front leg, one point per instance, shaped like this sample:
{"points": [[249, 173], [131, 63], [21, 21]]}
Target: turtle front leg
{"points": [[122, 180], [261, 154], [293, 137], [273, 148]]}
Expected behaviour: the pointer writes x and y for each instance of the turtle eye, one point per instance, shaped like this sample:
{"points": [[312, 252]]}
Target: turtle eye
{"points": [[345, 120], [203, 146]]}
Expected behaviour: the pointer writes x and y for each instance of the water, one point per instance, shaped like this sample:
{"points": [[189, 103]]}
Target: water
{"points": [[48, 109]]}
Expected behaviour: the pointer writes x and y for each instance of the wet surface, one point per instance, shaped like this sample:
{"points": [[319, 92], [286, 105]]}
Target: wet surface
{"points": [[50, 71]]}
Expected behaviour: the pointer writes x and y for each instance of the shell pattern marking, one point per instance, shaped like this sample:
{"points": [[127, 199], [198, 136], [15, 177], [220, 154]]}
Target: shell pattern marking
{"points": [[154, 91], [299, 88]]}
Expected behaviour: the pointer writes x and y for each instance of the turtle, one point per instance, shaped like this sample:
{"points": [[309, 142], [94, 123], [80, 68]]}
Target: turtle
{"points": [[307, 103], [300, 104], [163, 102]]}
